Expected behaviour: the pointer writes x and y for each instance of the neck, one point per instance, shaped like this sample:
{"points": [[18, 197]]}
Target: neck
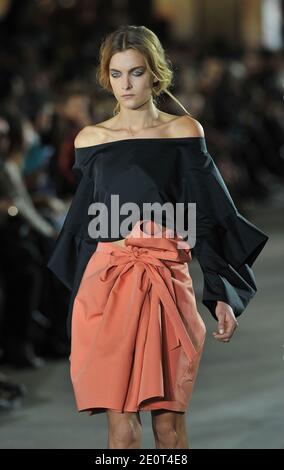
{"points": [[134, 120]]}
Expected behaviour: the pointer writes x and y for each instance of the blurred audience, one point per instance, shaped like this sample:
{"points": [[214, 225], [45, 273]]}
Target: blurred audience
{"points": [[26, 238]]}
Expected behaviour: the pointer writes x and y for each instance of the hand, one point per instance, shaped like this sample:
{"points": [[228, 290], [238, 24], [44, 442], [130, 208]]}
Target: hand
{"points": [[227, 322]]}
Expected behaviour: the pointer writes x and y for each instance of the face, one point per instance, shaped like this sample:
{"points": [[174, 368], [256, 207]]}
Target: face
{"points": [[129, 75]]}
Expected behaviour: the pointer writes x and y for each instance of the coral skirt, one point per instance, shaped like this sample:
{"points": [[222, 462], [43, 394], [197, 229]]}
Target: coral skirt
{"points": [[137, 336]]}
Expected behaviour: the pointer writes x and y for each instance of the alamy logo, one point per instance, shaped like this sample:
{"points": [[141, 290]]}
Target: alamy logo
{"points": [[114, 222]]}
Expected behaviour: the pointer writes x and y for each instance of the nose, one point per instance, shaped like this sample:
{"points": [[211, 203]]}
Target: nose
{"points": [[126, 83]]}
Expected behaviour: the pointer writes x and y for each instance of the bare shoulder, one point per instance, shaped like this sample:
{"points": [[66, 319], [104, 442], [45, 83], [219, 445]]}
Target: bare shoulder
{"points": [[186, 126], [89, 135], [94, 134]]}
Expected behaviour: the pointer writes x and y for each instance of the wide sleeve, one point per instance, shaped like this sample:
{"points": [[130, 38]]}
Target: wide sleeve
{"points": [[73, 246], [227, 244]]}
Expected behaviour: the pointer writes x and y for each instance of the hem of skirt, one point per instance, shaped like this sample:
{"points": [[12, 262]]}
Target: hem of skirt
{"points": [[166, 405]]}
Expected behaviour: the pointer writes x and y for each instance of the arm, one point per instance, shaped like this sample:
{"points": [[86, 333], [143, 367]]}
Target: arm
{"points": [[227, 244]]}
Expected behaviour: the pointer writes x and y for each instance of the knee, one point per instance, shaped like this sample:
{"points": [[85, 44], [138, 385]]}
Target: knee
{"points": [[166, 434], [125, 435]]}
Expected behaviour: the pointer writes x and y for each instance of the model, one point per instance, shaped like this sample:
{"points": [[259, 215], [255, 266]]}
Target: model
{"points": [[136, 334]]}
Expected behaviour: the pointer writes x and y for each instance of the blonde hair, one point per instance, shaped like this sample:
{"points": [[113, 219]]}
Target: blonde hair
{"points": [[147, 43]]}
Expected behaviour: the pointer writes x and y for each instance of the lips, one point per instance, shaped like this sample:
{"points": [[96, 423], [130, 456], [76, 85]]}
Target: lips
{"points": [[125, 96]]}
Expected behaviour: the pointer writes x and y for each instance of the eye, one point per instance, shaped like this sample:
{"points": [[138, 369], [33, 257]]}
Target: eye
{"points": [[135, 73]]}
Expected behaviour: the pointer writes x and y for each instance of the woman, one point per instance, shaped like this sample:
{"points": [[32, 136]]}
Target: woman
{"points": [[136, 334]]}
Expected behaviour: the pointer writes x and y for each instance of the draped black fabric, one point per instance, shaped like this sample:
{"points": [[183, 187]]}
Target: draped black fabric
{"points": [[162, 170], [227, 244]]}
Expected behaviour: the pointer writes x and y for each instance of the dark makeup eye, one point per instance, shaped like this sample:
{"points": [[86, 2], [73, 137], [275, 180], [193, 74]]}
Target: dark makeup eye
{"points": [[136, 73]]}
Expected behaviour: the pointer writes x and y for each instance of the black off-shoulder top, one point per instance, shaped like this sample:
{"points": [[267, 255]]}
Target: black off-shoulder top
{"points": [[162, 170]]}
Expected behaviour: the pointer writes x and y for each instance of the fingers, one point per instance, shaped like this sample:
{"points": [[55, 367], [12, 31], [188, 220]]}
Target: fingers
{"points": [[226, 330], [221, 326]]}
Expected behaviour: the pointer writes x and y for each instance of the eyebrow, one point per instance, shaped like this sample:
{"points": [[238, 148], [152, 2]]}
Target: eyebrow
{"points": [[130, 70]]}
